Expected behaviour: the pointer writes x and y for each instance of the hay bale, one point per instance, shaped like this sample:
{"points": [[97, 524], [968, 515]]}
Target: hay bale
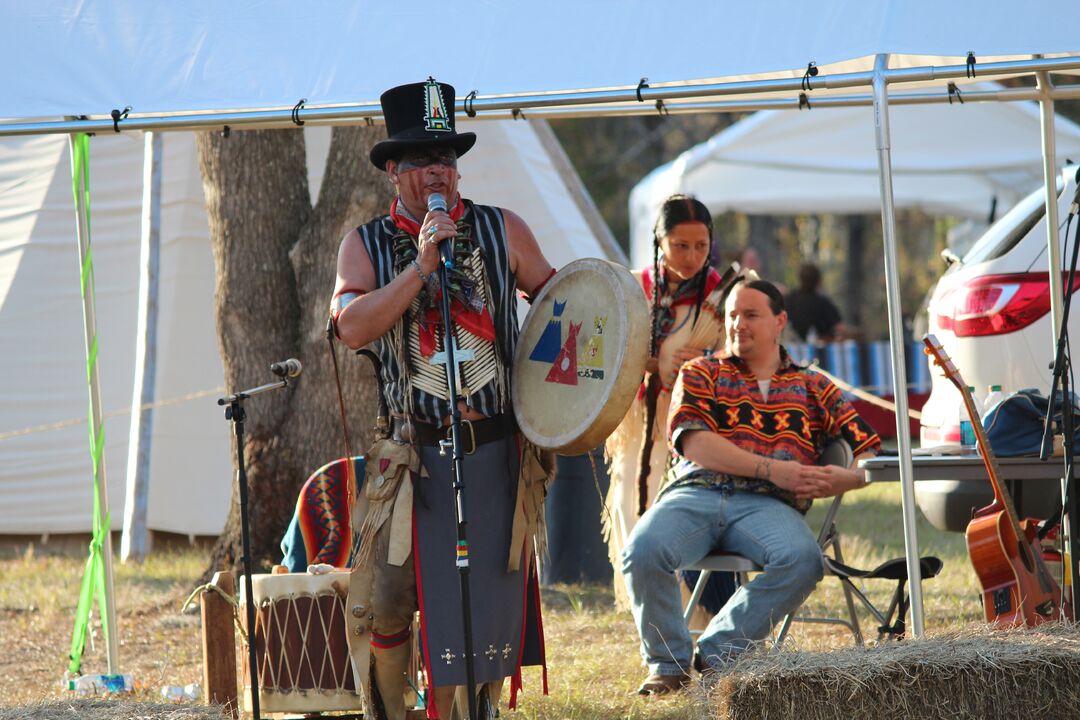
{"points": [[112, 709], [978, 673]]}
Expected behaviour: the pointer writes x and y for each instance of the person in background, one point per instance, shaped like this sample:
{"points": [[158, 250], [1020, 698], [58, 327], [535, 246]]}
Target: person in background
{"points": [[749, 259], [684, 296], [812, 315]]}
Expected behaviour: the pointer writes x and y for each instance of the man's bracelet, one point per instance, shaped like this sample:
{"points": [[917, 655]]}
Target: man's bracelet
{"points": [[416, 266]]}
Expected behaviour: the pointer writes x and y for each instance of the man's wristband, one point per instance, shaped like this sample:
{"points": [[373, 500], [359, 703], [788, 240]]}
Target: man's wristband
{"points": [[416, 266]]}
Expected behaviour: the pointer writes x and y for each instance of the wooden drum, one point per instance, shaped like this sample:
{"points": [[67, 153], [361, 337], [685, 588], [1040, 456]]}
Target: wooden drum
{"points": [[300, 644], [581, 356]]}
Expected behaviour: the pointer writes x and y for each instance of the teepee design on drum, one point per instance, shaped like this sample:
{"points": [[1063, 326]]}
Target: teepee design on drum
{"points": [[547, 346], [564, 369]]}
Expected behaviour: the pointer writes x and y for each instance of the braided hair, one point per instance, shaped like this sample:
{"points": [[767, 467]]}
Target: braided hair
{"points": [[676, 210]]}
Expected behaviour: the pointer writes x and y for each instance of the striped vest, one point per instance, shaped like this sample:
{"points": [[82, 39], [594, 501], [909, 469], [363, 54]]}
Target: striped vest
{"points": [[489, 233]]}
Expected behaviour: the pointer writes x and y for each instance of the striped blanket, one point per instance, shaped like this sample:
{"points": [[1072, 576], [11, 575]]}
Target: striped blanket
{"points": [[319, 531]]}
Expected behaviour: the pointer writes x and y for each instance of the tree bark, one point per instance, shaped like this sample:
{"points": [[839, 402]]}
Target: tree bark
{"points": [[275, 258]]}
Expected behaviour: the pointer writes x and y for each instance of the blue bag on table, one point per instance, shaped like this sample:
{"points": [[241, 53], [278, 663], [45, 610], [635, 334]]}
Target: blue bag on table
{"points": [[1014, 426]]}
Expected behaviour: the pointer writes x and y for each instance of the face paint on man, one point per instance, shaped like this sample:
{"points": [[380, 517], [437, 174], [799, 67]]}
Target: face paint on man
{"points": [[423, 158]]}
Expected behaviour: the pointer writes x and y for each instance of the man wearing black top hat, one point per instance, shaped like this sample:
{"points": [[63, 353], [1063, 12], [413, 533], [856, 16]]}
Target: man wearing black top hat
{"points": [[388, 294]]}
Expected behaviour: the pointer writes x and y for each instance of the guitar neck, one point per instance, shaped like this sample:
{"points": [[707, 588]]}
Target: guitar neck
{"points": [[1001, 493], [935, 349]]}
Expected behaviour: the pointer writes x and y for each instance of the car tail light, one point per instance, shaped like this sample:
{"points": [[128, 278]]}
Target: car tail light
{"points": [[994, 304]]}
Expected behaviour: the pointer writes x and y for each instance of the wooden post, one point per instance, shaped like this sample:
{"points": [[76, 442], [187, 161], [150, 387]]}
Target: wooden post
{"points": [[219, 644]]}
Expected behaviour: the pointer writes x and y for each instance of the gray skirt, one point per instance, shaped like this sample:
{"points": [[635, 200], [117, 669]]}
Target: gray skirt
{"points": [[505, 614]]}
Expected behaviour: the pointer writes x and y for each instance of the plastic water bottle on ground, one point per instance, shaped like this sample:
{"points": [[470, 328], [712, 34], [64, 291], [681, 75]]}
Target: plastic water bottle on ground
{"points": [[98, 684], [178, 694]]}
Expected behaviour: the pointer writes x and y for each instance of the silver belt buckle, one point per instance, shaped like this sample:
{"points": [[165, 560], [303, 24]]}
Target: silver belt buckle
{"points": [[472, 434]]}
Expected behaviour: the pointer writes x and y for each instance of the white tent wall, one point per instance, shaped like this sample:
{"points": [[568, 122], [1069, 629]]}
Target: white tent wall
{"points": [[45, 476], [947, 160]]}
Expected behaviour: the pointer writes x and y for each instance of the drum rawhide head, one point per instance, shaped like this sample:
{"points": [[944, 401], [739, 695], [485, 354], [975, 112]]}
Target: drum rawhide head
{"points": [[581, 356]]}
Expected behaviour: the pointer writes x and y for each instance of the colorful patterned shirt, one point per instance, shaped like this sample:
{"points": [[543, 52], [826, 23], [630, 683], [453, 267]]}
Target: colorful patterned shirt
{"points": [[804, 411]]}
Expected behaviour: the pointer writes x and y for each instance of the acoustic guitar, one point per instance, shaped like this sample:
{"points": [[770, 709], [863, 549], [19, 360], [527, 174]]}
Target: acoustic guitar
{"points": [[1017, 587]]}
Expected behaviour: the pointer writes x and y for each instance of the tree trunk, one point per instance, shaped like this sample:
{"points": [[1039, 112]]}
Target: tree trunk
{"points": [[275, 258]]}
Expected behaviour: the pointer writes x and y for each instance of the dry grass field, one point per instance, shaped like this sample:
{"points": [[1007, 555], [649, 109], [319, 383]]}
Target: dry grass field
{"points": [[593, 658]]}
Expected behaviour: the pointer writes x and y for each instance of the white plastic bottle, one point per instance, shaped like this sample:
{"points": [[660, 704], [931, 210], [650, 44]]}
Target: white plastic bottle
{"points": [[994, 395]]}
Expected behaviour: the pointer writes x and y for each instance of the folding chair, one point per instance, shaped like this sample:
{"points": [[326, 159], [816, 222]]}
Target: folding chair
{"points": [[892, 621]]}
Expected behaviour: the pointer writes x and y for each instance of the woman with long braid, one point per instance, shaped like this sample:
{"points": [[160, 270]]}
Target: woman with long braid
{"points": [[684, 295]]}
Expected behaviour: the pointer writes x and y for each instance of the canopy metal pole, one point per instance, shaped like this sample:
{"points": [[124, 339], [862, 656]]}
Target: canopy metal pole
{"points": [[1069, 92], [896, 342], [90, 329], [135, 541], [503, 106], [1057, 302], [1049, 149]]}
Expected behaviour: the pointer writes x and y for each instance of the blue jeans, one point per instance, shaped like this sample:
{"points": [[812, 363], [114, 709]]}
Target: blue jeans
{"points": [[686, 525]]}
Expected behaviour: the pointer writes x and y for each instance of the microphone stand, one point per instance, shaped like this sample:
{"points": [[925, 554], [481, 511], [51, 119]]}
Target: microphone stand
{"points": [[1062, 371], [234, 412], [457, 467]]}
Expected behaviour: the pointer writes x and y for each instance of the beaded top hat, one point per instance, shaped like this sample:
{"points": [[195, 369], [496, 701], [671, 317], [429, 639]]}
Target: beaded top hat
{"points": [[419, 115]]}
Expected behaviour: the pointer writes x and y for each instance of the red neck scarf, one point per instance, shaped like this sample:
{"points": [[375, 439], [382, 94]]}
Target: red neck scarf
{"points": [[405, 222], [686, 292]]}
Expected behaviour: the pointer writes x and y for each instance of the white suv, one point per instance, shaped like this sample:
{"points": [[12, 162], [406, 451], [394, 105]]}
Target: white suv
{"points": [[991, 312]]}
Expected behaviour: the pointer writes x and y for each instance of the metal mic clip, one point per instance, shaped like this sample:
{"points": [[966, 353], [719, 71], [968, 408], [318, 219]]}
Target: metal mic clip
{"points": [[286, 368]]}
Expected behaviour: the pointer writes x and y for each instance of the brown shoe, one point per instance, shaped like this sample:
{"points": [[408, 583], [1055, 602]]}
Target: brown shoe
{"points": [[699, 663], [664, 684], [707, 672]]}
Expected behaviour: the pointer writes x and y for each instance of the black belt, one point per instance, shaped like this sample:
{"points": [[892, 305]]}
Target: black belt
{"points": [[473, 432]]}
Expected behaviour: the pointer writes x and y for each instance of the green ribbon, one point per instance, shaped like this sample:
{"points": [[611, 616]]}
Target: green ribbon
{"points": [[93, 582]]}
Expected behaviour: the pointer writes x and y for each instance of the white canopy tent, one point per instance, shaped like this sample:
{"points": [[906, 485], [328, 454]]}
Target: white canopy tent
{"points": [[182, 66], [88, 57], [44, 476], [947, 160]]}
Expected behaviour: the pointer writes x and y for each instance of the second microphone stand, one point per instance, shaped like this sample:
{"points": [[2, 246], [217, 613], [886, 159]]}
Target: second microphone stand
{"points": [[234, 412], [457, 470]]}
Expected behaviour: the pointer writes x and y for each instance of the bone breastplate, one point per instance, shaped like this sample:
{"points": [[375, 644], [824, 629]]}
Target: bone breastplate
{"points": [[475, 373]]}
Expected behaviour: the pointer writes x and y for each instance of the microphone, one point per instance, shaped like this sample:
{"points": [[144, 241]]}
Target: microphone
{"points": [[435, 202], [290, 368]]}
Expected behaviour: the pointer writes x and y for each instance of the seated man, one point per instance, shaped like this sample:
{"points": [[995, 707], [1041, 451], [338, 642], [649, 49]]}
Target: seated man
{"points": [[746, 431]]}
